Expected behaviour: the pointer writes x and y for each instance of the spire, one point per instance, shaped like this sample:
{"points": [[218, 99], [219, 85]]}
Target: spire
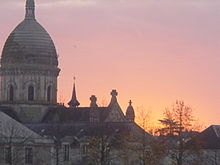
{"points": [[30, 10], [74, 102]]}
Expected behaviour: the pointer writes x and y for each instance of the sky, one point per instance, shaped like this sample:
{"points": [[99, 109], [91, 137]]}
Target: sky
{"points": [[153, 52]]}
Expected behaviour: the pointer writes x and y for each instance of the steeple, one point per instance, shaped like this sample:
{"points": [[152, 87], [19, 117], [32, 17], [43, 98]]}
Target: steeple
{"points": [[74, 102], [30, 10]]}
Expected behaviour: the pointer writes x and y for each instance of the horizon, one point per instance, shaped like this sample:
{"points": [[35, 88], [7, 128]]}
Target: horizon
{"points": [[153, 53]]}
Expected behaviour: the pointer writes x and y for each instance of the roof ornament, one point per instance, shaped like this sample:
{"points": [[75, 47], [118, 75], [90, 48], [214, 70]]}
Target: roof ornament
{"points": [[114, 95], [93, 100], [74, 102], [30, 10], [130, 103]]}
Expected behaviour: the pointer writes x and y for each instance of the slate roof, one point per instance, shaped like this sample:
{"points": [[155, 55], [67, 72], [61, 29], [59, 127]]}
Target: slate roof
{"points": [[74, 114], [86, 129], [210, 137], [10, 112]]}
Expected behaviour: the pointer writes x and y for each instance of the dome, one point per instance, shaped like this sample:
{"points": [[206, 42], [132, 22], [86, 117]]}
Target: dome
{"points": [[130, 111], [29, 43]]}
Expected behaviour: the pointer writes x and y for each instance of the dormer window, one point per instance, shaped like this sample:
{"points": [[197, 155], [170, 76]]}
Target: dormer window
{"points": [[8, 155], [66, 152], [28, 155]]}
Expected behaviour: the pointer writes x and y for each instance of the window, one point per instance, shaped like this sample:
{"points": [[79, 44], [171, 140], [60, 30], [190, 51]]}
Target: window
{"points": [[49, 93], [8, 155], [84, 149], [66, 152], [30, 93], [11, 93], [28, 155]]}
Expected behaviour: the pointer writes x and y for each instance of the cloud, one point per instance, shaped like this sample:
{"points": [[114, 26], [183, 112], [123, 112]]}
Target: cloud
{"points": [[68, 3]]}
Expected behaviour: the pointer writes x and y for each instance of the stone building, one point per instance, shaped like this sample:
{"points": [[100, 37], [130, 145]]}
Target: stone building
{"points": [[29, 69], [58, 134]]}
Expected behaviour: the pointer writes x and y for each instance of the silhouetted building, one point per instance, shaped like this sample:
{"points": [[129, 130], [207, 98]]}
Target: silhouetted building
{"points": [[29, 72]]}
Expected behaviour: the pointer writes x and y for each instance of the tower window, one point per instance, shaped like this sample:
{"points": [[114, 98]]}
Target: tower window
{"points": [[11, 93], [30, 93], [49, 93]]}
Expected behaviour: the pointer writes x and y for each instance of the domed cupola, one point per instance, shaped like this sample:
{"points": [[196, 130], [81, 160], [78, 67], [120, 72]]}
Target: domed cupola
{"points": [[29, 44], [29, 64], [130, 115]]}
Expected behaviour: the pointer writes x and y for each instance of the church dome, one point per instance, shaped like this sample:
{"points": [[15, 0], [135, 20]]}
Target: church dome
{"points": [[29, 43]]}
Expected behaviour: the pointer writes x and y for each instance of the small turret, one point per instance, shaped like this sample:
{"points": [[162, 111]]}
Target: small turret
{"points": [[130, 115], [74, 102]]}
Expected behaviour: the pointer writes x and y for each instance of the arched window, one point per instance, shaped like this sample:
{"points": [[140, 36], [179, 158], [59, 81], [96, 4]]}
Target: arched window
{"points": [[49, 93], [11, 93], [30, 93]]}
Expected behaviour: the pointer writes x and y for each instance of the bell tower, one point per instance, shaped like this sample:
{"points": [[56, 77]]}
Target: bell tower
{"points": [[29, 66]]}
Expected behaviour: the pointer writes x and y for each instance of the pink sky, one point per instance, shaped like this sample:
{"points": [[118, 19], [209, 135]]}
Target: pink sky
{"points": [[151, 51]]}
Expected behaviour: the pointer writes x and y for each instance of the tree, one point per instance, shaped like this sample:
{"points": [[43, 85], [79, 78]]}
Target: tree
{"points": [[180, 139], [150, 149], [101, 148]]}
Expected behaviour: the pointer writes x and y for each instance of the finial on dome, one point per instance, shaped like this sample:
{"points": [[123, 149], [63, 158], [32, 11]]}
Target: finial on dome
{"points": [[30, 10], [130, 103]]}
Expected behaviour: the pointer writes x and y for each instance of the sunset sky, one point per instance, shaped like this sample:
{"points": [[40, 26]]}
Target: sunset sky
{"points": [[152, 51]]}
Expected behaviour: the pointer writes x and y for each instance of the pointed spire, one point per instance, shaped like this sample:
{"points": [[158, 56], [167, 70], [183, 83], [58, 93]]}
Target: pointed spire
{"points": [[30, 10], [74, 102]]}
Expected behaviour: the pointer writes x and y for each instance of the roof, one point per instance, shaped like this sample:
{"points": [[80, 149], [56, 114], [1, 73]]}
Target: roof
{"points": [[86, 129], [10, 112], [210, 137], [29, 43], [10, 127], [74, 114]]}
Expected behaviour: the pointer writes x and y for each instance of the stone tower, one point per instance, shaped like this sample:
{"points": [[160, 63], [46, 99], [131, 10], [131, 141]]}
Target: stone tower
{"points": [[29, 65]]}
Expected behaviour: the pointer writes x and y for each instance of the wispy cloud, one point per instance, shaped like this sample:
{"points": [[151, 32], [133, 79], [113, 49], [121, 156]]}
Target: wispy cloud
{"points": [[69, 3]]}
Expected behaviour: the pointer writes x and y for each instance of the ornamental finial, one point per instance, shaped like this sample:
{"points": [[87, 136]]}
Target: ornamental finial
{"points": [[30, 10]]}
